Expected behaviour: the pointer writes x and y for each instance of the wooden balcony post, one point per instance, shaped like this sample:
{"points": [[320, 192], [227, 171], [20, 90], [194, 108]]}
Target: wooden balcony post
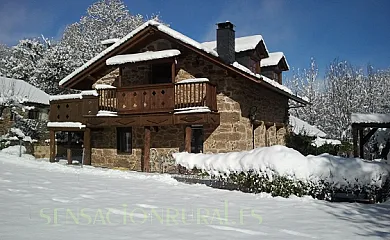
{"points": [[188, 138], [69, 150], [361, 143], [173, 71], [146, 159], [52, 145], [87, 147], [355, 141]]}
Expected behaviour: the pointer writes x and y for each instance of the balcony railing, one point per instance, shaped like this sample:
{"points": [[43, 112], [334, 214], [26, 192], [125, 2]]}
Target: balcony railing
{"points": [[156, 98], [195, 94]]}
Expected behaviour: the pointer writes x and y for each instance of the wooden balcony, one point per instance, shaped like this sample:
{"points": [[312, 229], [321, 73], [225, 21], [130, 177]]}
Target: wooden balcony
{"points": [[154, 101]]}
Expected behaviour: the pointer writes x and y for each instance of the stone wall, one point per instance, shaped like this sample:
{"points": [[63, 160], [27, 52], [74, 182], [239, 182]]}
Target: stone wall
{"points": [[164, 141]]}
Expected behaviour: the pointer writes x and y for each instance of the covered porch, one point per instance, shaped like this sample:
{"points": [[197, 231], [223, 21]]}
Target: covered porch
{"points": [[364, 126]]}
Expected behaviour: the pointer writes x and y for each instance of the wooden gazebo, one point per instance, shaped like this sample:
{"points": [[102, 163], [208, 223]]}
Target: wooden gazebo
{"points": [[364, 127]]}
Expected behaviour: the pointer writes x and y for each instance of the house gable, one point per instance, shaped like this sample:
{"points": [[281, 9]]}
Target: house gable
{"points": [[85, 76]]}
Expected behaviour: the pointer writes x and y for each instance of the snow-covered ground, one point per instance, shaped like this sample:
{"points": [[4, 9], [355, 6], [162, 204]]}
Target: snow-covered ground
{"points": [[40, 200]]}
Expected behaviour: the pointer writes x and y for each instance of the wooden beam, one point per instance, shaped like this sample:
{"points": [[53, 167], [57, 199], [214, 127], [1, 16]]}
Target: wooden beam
{"points": [[120, 77], [52, 145], [87, 146], [361, 144], [146, 160], [173, 70], [355, 141], [188, 137], [369, 135], [69, 150]]}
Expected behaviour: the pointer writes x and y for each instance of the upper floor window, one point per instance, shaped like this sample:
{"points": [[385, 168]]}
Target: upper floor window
{"points": [[161, 73]]}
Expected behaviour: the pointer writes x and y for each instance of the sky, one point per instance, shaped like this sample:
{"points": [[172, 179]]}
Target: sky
{"points": [[356, 31]]}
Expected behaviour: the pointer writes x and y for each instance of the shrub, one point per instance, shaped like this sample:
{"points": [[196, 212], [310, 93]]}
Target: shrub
{"points": [[285, 186]]}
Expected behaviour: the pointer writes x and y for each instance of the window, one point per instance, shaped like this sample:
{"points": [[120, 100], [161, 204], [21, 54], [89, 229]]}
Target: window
{"points": [[124, 140], [161, 73], [33, 114], [197, 139]]}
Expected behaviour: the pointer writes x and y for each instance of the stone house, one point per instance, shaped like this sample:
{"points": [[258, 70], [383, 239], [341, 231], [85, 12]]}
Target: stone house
{"points": [[157, 91], [22, 106]]}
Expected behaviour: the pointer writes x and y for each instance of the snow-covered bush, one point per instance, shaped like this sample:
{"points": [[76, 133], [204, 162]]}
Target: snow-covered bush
{"points": [[283, 171]]}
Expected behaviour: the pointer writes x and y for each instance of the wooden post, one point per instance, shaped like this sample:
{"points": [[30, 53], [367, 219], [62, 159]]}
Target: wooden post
{"points": [[355, 141], [361, 143], [188, 137], [87, 146], [173, 70], [146, 160], [52, 145], [69, 151]]}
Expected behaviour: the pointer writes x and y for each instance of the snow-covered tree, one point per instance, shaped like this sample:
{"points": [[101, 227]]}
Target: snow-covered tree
{"points": [[23, 58], [4, 53], [105, 19], [306, 83]]}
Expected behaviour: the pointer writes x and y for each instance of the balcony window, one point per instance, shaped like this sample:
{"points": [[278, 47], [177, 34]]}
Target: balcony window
{"points": [[161, 73], [124, 140]]}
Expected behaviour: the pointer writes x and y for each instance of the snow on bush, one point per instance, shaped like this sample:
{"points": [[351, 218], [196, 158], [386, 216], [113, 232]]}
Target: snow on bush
{"points": [[283, 171], [14, 150]]}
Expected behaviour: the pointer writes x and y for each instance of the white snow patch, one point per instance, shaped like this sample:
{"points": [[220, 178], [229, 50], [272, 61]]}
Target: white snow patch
{"points": [[66, 125], [194, 80], [283, 161], [318, 142], [370, 118], [192, 110], [109, 41], [140, 57], [104, 86], [89, 93], [103, 113], [299, 126], [14, 150], [66, 96]]}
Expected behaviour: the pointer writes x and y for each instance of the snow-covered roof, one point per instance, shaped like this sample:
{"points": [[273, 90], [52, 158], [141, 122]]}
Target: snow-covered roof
{"points": [[25, 92], [141, 57], [370, 118], [268, 80], [109, 41], [299, 126], [66, 125], [241, 43], [160, 27], [273, 59]]}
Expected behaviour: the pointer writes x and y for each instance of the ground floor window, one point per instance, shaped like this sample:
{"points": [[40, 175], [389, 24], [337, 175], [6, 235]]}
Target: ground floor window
{"points": [[124, 140], [197, 139]]}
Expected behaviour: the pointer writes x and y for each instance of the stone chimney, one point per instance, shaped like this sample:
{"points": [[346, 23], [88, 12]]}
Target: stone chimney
{"points": [[226, 41]]}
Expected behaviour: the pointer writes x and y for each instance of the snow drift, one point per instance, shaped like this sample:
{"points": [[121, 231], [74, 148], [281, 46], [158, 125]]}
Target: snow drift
{"points": [[282, 161]]}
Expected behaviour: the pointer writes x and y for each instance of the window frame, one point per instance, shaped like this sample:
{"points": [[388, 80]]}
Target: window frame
{"points": [[124, 134]]}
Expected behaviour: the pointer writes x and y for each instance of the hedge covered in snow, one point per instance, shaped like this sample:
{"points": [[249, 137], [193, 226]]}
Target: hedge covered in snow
{"points": [[283, 171]]}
